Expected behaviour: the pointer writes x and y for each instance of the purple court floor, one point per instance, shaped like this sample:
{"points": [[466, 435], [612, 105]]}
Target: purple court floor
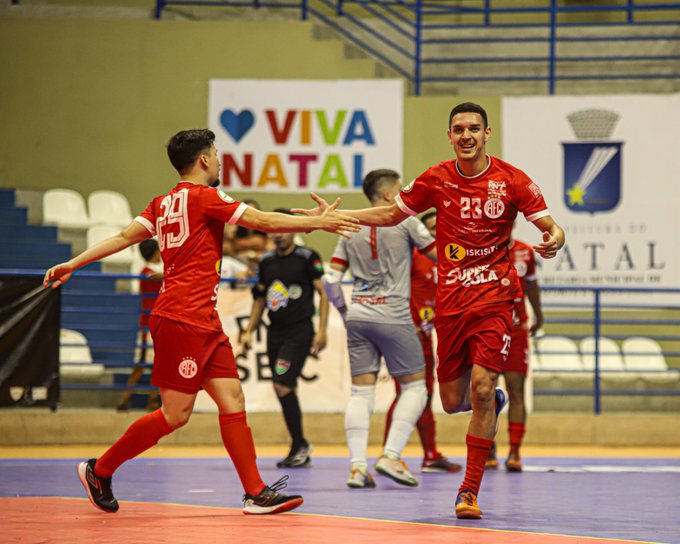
{"points": [[629, 499]]}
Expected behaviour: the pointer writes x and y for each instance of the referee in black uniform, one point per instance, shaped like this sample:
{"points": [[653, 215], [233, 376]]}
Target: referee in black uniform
{"points": [[287, 279]]}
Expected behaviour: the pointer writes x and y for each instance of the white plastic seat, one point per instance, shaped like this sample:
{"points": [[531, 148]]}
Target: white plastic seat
{"points": [[102, 231], [65, 208], [75, 357], [612, 370], [109, 207], [558, 353], [610, 359], [645, 357]]}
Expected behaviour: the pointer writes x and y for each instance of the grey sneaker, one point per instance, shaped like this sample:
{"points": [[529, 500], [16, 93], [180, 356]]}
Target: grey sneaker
{"points": [[298, 457], [359, 477], [397, 470]]}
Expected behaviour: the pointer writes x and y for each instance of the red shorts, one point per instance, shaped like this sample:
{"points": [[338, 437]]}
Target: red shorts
{"points": [[518, 359], [479, 336], [186, 355]]}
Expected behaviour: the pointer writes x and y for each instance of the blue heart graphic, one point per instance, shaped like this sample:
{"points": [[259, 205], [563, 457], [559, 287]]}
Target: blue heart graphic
{"points": [[237, 125]]}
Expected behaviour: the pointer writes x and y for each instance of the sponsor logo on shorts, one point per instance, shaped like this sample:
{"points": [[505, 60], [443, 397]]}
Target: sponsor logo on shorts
{"points": [[188, 368], [281, 366], [494, 208]]}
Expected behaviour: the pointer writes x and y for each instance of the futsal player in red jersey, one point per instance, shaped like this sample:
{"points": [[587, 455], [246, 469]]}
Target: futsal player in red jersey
{"points": [[191, 349], [423, 289], [517, 366], [477, 198]]}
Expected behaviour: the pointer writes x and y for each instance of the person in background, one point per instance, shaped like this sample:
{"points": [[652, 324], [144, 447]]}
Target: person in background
{"points": [[423, 290], [517, 366], [148, 290], [245, 246], [379, 325], [288, 277]]}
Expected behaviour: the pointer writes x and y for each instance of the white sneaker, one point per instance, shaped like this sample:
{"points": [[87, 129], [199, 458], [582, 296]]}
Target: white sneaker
{"points": [[397, 470], [360, 477]]}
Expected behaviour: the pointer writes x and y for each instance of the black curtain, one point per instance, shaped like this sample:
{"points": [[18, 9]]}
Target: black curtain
{"points": [[30, 320]]}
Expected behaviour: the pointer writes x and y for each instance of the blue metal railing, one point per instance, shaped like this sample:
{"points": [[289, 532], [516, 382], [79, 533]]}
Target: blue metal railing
{"points": [[401, 34], [596, 321]]}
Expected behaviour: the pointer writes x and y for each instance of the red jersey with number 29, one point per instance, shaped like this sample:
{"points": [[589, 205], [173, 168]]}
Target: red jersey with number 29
{"points": [[189, 222], [474, 222]]}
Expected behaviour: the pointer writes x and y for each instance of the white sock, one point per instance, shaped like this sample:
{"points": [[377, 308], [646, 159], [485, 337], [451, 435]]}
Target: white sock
{"points": [[357, 422], [410, 406]]}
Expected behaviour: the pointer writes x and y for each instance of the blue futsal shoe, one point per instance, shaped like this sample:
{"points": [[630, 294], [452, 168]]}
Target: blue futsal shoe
{"points": [[501, 401]]}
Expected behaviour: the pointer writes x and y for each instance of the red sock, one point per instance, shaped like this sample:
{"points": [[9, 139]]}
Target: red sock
{"points": [[426, 431], [238, 440], [477, 454], [140, 436], [516, 431]]}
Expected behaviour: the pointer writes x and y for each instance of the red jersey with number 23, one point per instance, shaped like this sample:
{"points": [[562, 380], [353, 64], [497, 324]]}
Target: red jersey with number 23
{"points": [[474, 222], [189, 222]]}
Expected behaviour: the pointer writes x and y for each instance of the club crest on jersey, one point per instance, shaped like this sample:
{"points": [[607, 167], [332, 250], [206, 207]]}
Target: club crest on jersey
{"points": [[592, 166], [188, 368], [281, 366], [494, 208]]}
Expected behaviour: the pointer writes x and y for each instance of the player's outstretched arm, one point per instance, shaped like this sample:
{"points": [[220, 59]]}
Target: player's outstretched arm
{"points": [[553, 237], [134, 233], [378, 216], [329, 220]]}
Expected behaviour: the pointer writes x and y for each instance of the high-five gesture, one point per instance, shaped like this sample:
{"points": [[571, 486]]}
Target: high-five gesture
{"points": [[319, 210], [333, 221]]}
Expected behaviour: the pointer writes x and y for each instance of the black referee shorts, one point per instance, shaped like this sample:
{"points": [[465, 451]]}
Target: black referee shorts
{"points": [[287, 349]]}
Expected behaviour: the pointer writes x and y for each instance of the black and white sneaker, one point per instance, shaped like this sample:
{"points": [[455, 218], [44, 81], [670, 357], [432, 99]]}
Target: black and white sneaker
{"points": [[98, 489], [270, 501], [298, 457]]}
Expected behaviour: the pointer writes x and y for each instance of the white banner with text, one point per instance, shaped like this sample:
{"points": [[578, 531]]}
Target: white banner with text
{"points": [[607, 166], [305, 135]]}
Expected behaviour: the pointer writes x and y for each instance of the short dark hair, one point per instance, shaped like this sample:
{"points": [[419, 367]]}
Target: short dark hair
{"points": [[468, 107], [428, 215], [185, 147], [148, 248], [376, 179]]}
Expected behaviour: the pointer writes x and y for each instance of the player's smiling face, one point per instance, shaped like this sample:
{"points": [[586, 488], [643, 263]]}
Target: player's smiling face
{"points": [[468, 136]]}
